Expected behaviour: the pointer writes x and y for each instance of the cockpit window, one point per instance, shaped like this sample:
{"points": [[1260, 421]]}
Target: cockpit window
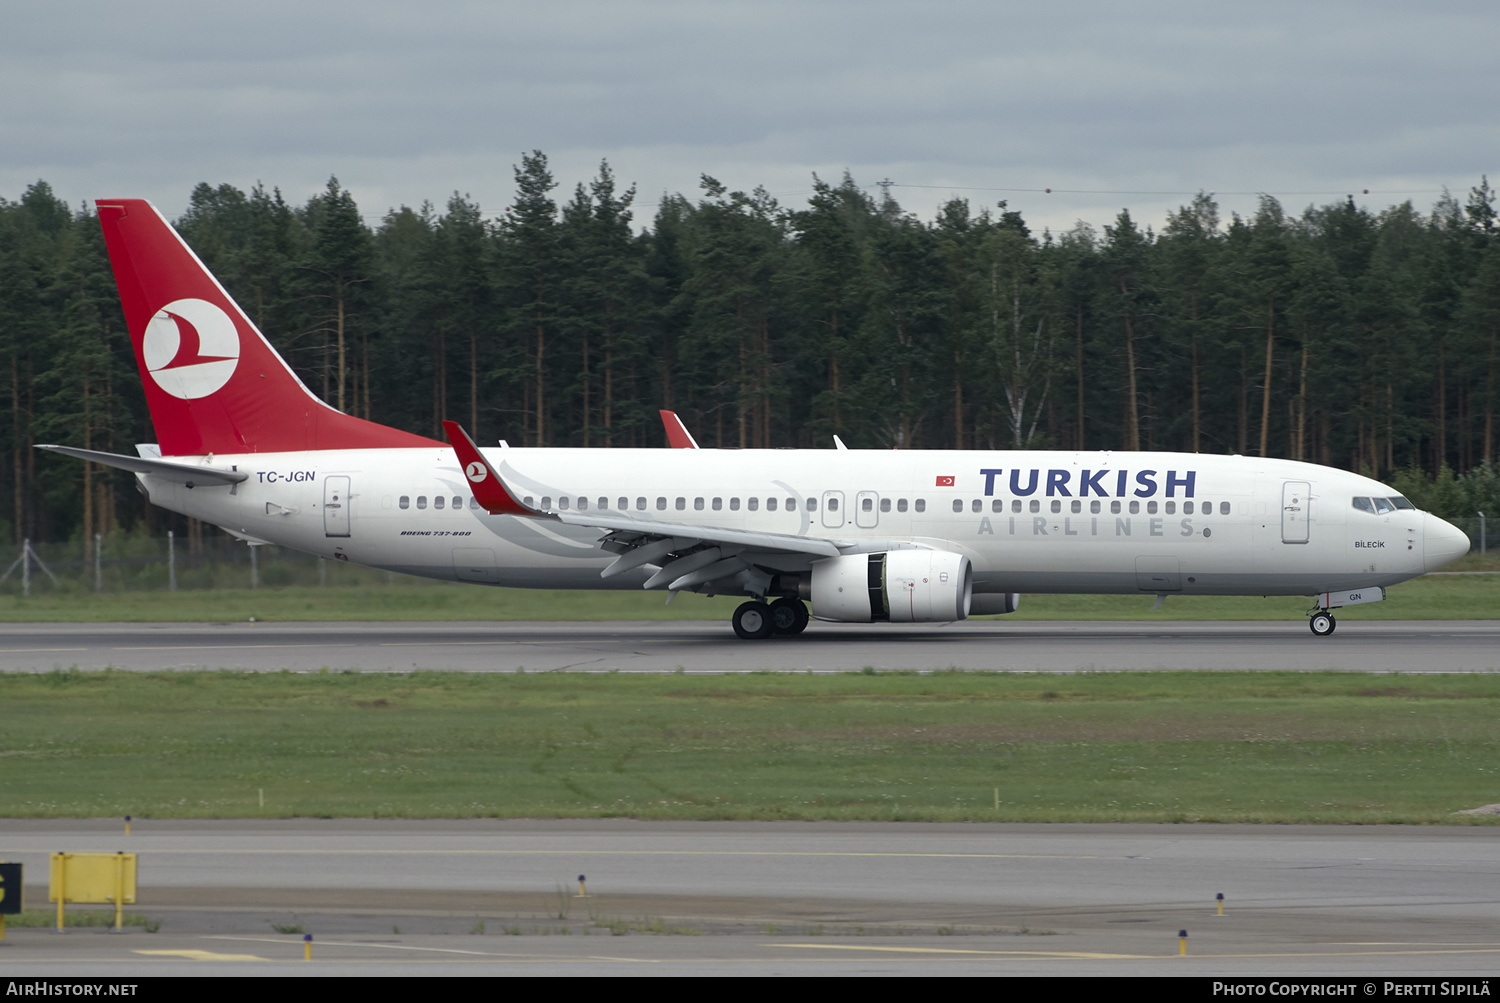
{"points": [[1364, 505], [1382, 506], [1400, 502]]}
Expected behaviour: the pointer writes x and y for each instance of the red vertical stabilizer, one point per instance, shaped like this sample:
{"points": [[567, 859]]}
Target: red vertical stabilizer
{"points": [[213, 382]]}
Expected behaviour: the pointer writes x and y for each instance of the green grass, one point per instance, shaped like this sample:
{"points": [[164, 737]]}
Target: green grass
{"points": [[1229, 747], [1438, 597], [74, 916]]}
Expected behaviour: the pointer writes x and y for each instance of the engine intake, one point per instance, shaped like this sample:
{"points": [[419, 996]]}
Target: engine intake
{"points": [[902, 586]]}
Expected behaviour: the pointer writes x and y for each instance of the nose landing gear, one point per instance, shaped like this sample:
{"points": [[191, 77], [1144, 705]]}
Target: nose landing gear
{"points": [[1321, 622]]}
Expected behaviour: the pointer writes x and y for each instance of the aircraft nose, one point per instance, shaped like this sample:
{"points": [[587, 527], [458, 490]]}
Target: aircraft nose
{"points": [[1442, 543]]}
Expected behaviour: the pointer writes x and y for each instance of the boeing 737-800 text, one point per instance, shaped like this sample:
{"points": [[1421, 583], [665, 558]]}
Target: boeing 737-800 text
{"points": [[863, 535]]}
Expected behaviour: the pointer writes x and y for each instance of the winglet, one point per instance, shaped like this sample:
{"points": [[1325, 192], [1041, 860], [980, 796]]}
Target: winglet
{"points": [[678, 437], [489, 490]]}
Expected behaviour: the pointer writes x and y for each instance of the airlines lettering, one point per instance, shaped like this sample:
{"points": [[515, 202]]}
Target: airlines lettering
{"points": [[1369, 544], [1092, 483], [295, 476], [1067, 527]]}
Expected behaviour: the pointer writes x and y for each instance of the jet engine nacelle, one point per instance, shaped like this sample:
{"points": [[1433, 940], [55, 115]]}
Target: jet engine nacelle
{"points": [[990, 603], [902, 586]]}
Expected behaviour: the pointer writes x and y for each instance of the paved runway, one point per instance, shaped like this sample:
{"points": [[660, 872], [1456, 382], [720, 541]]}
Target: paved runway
{"points": [[1381, 646], [775, 898]]}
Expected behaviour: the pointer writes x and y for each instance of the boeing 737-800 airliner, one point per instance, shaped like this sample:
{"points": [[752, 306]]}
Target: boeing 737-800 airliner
{"points": [[863, 535]]}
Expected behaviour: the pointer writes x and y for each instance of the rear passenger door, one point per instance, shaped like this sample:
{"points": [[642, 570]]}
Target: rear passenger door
{"points": [[336, 506]]}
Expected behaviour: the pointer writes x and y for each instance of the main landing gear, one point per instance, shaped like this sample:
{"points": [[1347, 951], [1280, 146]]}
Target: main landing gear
{"points": [[784, 617], [1321, 622]]}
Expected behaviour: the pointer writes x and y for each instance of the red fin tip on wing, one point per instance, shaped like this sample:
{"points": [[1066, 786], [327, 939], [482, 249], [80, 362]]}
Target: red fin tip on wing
{"points": [[678, 437], [489, 490]]}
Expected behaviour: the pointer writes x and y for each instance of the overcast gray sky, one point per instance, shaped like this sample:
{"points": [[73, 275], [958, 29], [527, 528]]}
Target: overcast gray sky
{"points": [[1110, 104]]}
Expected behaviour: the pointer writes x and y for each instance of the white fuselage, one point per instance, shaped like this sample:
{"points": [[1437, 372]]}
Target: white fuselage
{"points": [[1028, 521]]}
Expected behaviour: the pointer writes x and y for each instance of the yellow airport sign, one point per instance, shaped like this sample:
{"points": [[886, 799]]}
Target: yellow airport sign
{"points": [[92, 877]]}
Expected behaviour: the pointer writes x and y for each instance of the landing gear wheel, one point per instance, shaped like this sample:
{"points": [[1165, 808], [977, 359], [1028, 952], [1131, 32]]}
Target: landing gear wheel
{"points": [[752, 621], [1322, 623], [788, 617]]}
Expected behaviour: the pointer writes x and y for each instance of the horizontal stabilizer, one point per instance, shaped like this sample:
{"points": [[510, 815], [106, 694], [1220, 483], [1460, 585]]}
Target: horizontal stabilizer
{"points": [[181, 473]]}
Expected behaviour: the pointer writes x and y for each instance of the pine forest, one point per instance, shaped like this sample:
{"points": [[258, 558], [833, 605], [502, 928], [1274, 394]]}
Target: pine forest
{"points": [[1363, 339]]}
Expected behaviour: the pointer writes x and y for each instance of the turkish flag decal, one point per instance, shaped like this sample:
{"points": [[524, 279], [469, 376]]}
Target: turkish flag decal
{"points": [[944, 482]]}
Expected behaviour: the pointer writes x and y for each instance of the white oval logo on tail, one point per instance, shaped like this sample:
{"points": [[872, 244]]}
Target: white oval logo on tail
{"points": [[476, 472], [191, 348]]}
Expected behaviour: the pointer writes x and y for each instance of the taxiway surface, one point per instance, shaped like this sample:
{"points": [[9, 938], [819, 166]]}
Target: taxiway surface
{"points": [[707, 646], [436, 897]]}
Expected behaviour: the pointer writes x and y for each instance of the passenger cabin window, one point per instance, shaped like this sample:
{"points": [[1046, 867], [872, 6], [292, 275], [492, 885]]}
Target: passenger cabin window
{"points": [[791, 504], [583, 504], [405, 501], [901, 505], [1187, 508], [1151, 508], [770, 504], [885, 504], [958, 505], [421, 501], [921, 505], [1077, 506], [528, 502], [458, 502], [681, 504], [752, 504], [1135, 508], [661, 504], [718, 504], [697, 504], [546, 502], [1171, 508], [640, 505], [1114, 508], [998, 505], [474, 504], [1094, 506], [1056, 506], [978, 505], [1223, 508], [625, 504], [833, 504], [439, 502], [812, 504], [1015, 504], [734, 504], [1036, 506]]}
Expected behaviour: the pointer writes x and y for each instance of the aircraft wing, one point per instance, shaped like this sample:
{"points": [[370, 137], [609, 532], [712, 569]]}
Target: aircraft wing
{"points": [[688, 556], [182, 473]]}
